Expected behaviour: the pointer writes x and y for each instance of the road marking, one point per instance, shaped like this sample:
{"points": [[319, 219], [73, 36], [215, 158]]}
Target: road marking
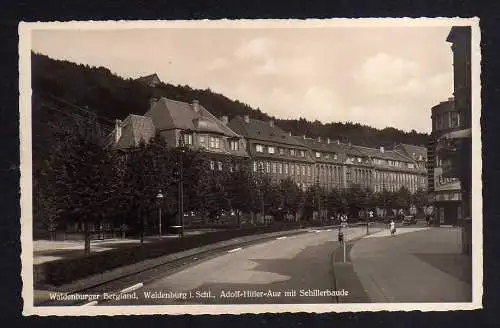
{"points": [[281, 237], [234, 250], [90, 303], [132, 288]]}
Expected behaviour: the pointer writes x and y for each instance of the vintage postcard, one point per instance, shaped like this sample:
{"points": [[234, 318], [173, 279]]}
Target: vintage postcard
{"points": [[250, 166]]}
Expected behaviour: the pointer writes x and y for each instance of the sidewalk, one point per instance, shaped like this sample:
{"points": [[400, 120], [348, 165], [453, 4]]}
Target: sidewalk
{"points": [[47, 250], [416, 265]]}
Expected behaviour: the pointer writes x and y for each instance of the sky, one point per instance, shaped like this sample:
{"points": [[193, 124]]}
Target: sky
{"points": [[378, 76]]}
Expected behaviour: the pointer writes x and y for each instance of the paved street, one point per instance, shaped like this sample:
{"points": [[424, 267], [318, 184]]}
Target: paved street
{"points": [[295, 269]]}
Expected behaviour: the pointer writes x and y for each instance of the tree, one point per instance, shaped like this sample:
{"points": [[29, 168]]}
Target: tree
{"points": [[241, 189], [84, 176], [336, 201], [420, 200], [386, 200], [403, 199], [291, 196]]}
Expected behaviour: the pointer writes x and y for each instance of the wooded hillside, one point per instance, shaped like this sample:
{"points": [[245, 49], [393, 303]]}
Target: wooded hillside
{"points": [[98, 90]]}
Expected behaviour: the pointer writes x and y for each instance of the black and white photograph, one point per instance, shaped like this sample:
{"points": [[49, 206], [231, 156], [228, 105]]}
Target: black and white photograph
{"points": [[250, 166]]}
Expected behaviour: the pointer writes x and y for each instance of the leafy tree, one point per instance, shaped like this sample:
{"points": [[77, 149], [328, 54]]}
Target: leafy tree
{"points": [[420, 200], [84, 177], [403, 199], [291, 196], [336, 202]]}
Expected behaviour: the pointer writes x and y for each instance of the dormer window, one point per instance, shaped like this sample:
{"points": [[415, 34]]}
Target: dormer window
{"points": [[335, 156], [259, 148], [271, 150], [281, 151], [219, 166], [302, 153], [318, 154], [292, 152], [359, 159]]}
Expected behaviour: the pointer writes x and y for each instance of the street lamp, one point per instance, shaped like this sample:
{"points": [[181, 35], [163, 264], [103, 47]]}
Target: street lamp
{"points": [[159, 197]]}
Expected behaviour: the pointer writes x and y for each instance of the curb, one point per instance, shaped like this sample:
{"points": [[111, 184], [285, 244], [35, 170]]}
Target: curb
{"points": [[231, 245]]}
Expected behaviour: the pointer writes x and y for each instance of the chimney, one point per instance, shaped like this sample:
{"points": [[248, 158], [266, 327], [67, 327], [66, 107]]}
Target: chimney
{"points": [[224, 119], [319, 139], [328, 140], [271, 123], [381, 149], [304, 136], [290, 133], [338, 142], [196, 105], [118, 130], [246, 119]]}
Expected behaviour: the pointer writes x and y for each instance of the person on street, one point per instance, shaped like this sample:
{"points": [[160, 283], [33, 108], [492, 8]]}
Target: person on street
{"points": [[392, 227], [341, 236]]}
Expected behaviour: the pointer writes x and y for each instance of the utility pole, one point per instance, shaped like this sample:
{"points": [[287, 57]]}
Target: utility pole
{"points": [[181, 188]]}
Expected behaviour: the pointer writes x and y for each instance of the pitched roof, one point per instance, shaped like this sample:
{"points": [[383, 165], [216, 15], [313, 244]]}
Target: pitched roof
{"points": [[322, 146], [171, 114], [135, 128], [151, 79], [412, 151], [376, 153], [262, 130]]}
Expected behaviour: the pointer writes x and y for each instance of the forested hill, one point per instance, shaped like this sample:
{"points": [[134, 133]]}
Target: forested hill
{"points": [[98, 90]]}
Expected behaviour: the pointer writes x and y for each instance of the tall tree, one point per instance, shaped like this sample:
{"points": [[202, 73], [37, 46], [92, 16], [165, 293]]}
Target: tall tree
{"points": [[84, 176]]}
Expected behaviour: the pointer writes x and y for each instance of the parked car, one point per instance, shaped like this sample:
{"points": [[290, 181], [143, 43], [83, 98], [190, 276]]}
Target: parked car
{"points": [[409, 219]]}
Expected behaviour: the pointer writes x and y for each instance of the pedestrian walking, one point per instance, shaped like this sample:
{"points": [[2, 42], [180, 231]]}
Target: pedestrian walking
{"points": [[392, 227], [341, 236]]}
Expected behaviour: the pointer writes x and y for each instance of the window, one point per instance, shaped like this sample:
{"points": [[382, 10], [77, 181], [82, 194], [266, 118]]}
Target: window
{"points": [[214, 142], [286, 168], [188, 139], [292, 152], [302, 153], [280, 168], [318, 154], [233, 144], [454, 119], [304, 170], [335, 156], [282, 151], [202, 141], [270, 150], [255, 166], [212, 165], [359, 159], [219, 165], [231, 168], [268, 167], [309, 171], [411, 166], [274, 167], [259, 148], [292, 169]]}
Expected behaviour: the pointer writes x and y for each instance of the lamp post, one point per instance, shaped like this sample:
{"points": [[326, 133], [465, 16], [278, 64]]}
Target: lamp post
{"points": [[181, 185], [159, 197]]}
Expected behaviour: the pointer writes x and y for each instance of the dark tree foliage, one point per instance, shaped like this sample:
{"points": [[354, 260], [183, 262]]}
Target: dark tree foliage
{"points": [[113, 97]]}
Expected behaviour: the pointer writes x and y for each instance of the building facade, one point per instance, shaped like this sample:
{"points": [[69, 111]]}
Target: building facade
{"points": [[445, 191], [454, 147], [275, 152], [328, 163]]}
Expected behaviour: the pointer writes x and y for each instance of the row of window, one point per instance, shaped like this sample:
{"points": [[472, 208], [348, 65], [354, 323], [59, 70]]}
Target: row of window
{"points": [[279, 150], [282, 168], [218, 166], [211, 142], [326, 155]]}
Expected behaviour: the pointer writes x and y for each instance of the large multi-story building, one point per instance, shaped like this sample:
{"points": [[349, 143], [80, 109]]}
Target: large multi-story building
{"points": [[274, 151], [328, 163], [453, 148], [180, 123], [446, 191]]}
